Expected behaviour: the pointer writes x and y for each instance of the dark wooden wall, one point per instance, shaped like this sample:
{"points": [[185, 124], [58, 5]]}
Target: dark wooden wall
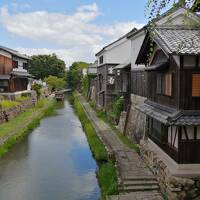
{"points": [[139, 83], [172, 101]]}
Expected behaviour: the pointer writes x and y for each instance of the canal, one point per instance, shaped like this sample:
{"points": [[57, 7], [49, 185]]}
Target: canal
{"points": [[53, 163]]}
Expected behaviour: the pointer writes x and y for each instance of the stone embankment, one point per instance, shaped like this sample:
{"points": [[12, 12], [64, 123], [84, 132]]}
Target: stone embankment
{"points": [[135, 179], [7, 114]]}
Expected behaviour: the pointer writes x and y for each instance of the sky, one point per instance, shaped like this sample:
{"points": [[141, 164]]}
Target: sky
{"points": [[73, 29]]}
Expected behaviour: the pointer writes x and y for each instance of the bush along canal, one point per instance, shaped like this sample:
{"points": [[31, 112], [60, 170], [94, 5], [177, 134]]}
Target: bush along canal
{"points": [[54, 161], [107, 175]]}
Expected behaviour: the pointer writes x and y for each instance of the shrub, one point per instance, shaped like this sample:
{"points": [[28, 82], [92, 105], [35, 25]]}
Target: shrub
{"points": [[117, 107], [8, 104]]}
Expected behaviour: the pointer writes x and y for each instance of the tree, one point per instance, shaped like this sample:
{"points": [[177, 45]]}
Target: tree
{"points": [[37, 88], [42, 66], [155, 7], [74, 75], [55, 83]]}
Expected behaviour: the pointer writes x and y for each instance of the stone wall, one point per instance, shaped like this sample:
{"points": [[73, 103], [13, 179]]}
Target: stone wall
{"points": [[122, 122], [6, 115], [173, 187], [136, 120]]}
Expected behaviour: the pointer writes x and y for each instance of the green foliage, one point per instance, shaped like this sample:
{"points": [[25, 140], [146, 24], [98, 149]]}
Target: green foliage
{"points": [[95, 143], [37, 88], [42, 66], [5, 104], [117, 107], [102, 115], [85, 85], [30, 118], [22, 98], [107, 177], [74, 74], [55, 83], [128, 142]]}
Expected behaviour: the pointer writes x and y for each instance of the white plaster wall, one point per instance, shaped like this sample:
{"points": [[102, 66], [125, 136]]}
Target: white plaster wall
{"points": [[179, 17], [120, 53], [190, 132], [20, 63], [172, 133], [136, 43]]}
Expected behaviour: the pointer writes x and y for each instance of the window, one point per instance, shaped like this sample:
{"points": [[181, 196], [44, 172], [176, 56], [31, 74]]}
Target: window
{"points": [[15, 64], [25, 65], [189, 61], [101, 60], [196, 85], [3, 83], [168, 84], [164, 84]]}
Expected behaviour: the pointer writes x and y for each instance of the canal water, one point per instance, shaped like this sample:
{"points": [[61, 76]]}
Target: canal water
{"points": [[53, 163]]}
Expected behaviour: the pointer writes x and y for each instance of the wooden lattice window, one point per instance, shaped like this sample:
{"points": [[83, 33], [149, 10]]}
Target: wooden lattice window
{"points": [[168, 84], [196, 85]]}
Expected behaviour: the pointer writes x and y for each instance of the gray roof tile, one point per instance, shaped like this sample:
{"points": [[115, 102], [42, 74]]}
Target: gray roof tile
{"points": [[178, 39]]}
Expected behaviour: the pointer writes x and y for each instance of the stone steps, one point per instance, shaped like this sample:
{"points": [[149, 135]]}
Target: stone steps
{"points": [[140, 182], [145, 195], [137, 188], [136, 184]]}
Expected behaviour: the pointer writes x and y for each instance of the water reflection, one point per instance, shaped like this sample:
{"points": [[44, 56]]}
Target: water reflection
{"points": [[52, 163]]}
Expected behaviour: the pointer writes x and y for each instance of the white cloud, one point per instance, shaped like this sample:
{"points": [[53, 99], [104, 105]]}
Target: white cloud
{"points": [[75, 36]]}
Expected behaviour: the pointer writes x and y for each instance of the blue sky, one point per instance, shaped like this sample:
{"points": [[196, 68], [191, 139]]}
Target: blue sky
{"points": [[73, 29]]}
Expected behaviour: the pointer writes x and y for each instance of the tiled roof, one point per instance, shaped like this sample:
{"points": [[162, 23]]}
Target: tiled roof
{"points": [[178, 39], [189, 120], [15, 53], [170, 116], [157, 111], [21, 74]]}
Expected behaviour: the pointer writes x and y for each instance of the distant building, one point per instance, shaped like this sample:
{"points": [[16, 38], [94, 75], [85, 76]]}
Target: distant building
{"points": [[113, 56], [92, 68], [13, 71]]}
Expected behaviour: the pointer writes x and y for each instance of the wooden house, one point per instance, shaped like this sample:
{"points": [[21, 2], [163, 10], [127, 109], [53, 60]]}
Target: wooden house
{"points": [[173, 95], [13, 71], [136, 121]]}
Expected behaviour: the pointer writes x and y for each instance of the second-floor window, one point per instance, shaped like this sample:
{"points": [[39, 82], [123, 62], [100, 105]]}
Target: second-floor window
{"points": [[101, 60], [15, 64], [25, 65], [164, 84], [195, 85]]}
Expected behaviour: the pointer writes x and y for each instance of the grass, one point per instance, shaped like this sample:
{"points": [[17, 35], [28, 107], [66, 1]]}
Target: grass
{"points": [[108, 179], [8, 104], [22, 98], [34, 116], [103, 116], [107, 175], [128, 142]]}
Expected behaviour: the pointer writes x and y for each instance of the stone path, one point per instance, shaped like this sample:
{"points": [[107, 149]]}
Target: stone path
{"points": [[135, 178]]}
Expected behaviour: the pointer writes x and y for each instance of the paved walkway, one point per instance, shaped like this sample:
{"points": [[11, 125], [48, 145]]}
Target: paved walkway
{"points": [[135, 178]]}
